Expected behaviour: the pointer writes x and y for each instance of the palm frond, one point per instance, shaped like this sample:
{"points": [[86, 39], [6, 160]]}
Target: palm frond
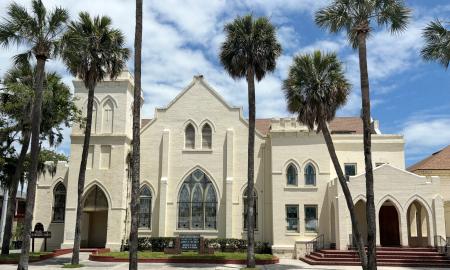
{"points": [[437, 43]]}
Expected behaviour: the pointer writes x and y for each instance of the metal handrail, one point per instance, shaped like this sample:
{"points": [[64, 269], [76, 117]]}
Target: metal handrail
{"points": [[442, 244], [314, 245]]}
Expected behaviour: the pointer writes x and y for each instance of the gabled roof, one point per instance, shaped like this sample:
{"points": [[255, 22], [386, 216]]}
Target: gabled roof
{"points": [[439, 160]]}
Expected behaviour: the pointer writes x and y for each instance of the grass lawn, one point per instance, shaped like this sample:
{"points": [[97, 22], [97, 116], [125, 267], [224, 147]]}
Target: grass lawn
{"points": [[68, 265], [189, 255], [15, 256]]}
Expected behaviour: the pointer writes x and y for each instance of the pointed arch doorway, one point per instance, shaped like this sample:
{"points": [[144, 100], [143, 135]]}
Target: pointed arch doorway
{"points": [[94, 221], [389, 225]]}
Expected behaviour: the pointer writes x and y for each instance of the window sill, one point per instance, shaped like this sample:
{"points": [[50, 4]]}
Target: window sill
{"points": [[300, 188], [187, 151], [292, 233], [144, 230], [311, 233], [196, 231]]}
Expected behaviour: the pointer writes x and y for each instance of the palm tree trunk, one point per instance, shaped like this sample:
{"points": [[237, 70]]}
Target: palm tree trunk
{"points": [[135, 160], [250, 168], [26, 133], [357, 237], [34, 154], [367, 131], [82, 172]]}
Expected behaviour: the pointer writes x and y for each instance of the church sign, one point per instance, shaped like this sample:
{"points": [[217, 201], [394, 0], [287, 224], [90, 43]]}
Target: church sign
{"points": [[190, 242]]}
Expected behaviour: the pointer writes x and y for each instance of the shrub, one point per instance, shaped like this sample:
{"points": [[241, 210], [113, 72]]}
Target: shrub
{"points": [[236, 245], [151, 243]]}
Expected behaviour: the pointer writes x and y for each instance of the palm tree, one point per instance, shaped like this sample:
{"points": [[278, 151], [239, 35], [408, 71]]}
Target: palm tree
{"points": [[39, 32], [16, 100], [437, 43], [250, 50], [92, 50], [135, 165], [315, 89], [357, 18]]}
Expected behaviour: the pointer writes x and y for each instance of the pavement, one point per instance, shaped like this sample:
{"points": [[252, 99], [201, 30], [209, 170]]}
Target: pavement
{"points": [[285, 264]]}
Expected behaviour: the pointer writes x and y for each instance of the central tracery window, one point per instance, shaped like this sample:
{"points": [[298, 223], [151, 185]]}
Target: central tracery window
{"points": [[197, 203]]}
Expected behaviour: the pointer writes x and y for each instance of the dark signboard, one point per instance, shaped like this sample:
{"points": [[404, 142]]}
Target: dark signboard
{"points": [[190, 242]]}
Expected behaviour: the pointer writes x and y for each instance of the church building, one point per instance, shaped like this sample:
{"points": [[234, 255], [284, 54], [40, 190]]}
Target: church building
{"points": [[194, 169]]}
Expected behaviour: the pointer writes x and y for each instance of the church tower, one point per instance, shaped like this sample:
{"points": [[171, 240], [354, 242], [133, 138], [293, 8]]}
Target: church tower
{"points": [[106, 189]]}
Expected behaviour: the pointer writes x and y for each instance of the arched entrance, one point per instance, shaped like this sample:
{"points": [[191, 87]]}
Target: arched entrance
{"points": [[360, 212], [94, 221], [389, 225], [418, 225]]}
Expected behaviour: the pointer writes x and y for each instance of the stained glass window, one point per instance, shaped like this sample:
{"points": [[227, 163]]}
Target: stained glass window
{"points": [[310, 175], [189, 142], [291, 175], [255, 209], [197, 203], [59, 202], [145, 207], [206, 137]]}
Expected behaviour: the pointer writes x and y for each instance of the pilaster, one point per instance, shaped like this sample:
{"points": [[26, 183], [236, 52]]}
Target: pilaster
{"points": [[229, 184], [163, 183]]}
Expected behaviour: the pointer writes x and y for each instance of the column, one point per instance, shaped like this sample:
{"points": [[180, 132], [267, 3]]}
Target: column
{"points": [[163, 183], [229, 185], [404, 241], [438, 218], [3, 214], [342, 218]]}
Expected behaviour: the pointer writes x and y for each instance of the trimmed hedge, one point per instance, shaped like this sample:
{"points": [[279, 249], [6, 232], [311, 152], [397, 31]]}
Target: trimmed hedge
{"points": [[157, 244], [237, 245], [152, 243]]}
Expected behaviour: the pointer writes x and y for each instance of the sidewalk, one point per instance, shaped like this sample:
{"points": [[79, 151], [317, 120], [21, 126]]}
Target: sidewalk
{"points": [[285, 264]]}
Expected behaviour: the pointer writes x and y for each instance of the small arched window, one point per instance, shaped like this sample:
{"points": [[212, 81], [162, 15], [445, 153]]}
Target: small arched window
{"points": [[189, 140], [255, 208], [108, 117], [310, 175], [59, 203], [145, 208], [206, 136], [291, 175]]}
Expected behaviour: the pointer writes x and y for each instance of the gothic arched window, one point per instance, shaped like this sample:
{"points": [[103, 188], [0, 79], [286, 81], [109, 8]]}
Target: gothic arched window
{"points": [[255, 208], [206, 136], [189, 137], [108, 117], [197, 203], [59, 203], [145, 208], [310, 175], [291, 175]]}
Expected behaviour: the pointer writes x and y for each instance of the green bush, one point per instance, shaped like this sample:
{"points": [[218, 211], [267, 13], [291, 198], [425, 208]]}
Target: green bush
{"points": [[157, 244], [237, 245], [152, 243]]}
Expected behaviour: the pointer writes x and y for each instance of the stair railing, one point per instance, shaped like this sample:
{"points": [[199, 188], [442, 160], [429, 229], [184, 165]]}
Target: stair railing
{"points": [[442, 244], [316, 244]]}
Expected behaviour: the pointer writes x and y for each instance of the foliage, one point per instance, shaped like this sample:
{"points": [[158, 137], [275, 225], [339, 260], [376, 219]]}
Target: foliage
{"points": [[38, 31], [18, 232], [188, 255], [315, 88], [437, 43], [152, 243], [236, 245], [92, 50], [356, 16], [157, 244], [249, 42]]}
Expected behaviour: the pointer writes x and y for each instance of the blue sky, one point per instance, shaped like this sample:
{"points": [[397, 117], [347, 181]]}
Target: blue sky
{"points": [[182, 39]]}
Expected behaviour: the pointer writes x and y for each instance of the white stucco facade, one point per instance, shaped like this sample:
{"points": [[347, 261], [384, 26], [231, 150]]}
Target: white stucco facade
{"points": [[215, 166]]}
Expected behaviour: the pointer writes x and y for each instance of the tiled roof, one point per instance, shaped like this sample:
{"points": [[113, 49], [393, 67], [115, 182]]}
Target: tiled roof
{"points": [[145, 122], [345, 125], [437, 161], [263, 125]]}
